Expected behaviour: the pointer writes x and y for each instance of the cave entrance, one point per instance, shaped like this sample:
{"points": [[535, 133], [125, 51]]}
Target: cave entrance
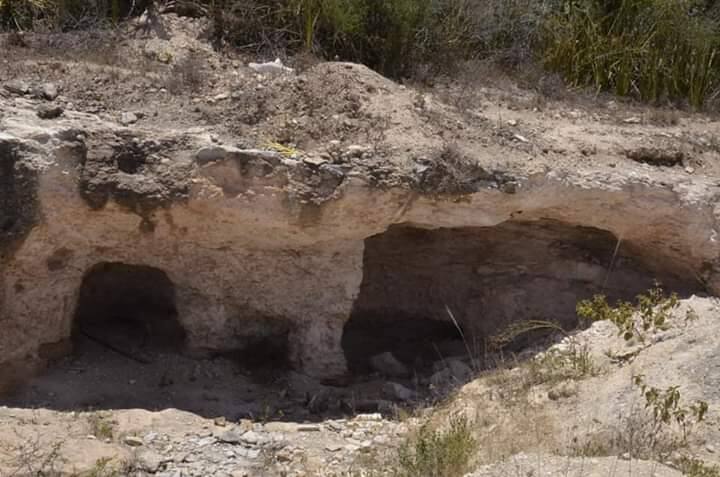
{"points": [[128, 308], [417, 342], [488, 277]]}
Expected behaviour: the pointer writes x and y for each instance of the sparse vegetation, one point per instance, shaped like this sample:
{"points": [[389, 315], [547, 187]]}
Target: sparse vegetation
{"points": [[101, 426], [696, 468], [651, 312], [654, 49], [668, 409], [437, 453], [107, 467]]}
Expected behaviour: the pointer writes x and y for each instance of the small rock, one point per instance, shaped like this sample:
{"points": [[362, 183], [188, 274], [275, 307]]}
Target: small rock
{"points": [[308, 428], [232, 436], [270, 68], [315, 161], [249, 453], [710, 449], [49, 91], [333, 448], [221, 96], [398, 392], [369, 417], [252, 437], [387, 364], [632, 120], [455, 372], [211, 153], [220, 421], [17, 87], [356, 150], [132, 441], [149, 461], [127, 118], [47, 112], [512, 122], [690, 170]]}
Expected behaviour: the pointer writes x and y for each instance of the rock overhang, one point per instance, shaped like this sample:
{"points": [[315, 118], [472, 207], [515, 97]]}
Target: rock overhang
{"points": [[243, 233]]}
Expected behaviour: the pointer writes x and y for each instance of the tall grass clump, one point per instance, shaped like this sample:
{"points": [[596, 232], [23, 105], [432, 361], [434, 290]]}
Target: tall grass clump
{"points": [[63, 15], [651, 49], [437, 453], [393, 37]]}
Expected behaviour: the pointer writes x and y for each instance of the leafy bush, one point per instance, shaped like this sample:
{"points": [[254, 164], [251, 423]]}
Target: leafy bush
{"points": [[433, 453], [667, 408], [697, 468], [653, 49], [653, 310]]}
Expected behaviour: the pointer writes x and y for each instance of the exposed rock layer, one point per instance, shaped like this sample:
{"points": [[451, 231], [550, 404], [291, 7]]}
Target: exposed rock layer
{"points": [[255, 243]]}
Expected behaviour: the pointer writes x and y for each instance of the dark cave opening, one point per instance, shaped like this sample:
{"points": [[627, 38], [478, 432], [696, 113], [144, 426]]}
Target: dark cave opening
{"points": [[487, 278], [128, 308]]}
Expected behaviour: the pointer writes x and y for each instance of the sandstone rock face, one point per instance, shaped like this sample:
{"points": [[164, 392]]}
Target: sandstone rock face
{"points": [[255, 244]]}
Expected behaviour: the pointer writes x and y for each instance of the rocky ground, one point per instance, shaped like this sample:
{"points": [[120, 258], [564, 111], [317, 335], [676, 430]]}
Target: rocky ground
{"points": [[101, 412], [530, 415]]}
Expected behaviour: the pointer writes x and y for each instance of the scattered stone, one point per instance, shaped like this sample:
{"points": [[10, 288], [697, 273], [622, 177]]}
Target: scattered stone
{"points": [[398, 392], [333, 448], [632, 120], [211, 154], [220, 421], [232, 436], [271, 68], [454, 372], [17, 87], [49, 112], [128, 118], [356, 150], [252, 437], [512, 122], [133, 441], [308, 428], [249, 453], [656, 156], [149, 461], [49, 91], [315, 161], [150, 437], [387, 364], [369, 417]]}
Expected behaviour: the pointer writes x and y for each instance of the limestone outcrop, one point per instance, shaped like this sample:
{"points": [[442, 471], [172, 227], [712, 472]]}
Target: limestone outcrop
{"points": [[241, 245]]}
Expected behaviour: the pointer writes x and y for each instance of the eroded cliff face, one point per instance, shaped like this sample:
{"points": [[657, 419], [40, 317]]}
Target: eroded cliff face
{"points": [[219, 248]]}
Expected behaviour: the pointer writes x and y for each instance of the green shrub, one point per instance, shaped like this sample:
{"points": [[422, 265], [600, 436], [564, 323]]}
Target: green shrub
{"points": [[653, 310], [653, 49], [668, 409], [697, 468], [433, 453]]}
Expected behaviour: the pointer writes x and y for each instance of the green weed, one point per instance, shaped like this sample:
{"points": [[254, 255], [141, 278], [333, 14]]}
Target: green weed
{"points": [[652, 49], [437, 453], [667, 407], [652, 308]]}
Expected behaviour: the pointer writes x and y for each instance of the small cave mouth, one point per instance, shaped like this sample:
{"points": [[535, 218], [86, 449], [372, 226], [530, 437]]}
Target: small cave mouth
{"points": [[130, 309], [417, 342], [433, 294]]}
